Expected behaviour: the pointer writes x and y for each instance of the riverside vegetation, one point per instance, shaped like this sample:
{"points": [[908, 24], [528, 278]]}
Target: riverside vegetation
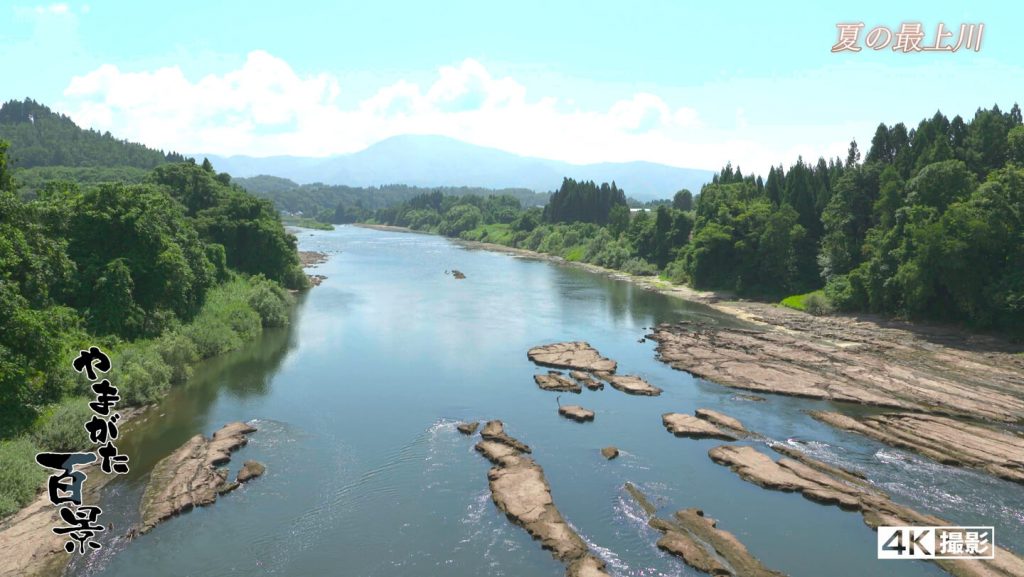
{"points": [[156, 259], [930, 225]]}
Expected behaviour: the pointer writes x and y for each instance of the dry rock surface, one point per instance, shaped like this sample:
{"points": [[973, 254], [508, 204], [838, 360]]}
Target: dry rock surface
{"points": [[519, 490], [699, 542], [587, 380], [842, 359], [609, 453], [576, 413], [707, 424], [828, 485], [943, 439], [556, 381], [577, 355], [468, 428], [192, 475], [630, 384]]}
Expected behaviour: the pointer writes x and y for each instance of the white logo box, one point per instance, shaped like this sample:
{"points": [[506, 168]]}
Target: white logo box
{"points": [[945, 542]]}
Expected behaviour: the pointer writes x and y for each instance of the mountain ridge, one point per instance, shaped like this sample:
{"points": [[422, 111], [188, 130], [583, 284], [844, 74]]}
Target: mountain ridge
{"points": [[433, 160]]}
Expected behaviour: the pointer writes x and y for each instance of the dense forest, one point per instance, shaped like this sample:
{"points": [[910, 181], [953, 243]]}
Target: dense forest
{"points": [[160, 269], [346, 204], [40, 137], [929, 224]]}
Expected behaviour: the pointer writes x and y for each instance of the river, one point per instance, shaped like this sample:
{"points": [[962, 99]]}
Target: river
{"points": [[356, 404]]}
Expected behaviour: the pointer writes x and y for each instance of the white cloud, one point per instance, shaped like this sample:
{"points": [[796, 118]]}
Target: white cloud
{"points": [[265, 108]]}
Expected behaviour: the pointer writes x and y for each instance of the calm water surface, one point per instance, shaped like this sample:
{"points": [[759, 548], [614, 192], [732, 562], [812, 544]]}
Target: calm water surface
{"points": [[356, 405]]}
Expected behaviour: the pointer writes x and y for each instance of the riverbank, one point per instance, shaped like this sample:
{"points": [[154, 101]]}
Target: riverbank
{"points": [[863, 359]]}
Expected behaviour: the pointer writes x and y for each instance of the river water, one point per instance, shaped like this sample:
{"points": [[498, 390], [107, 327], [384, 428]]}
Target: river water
{"points": [[356, 404]]}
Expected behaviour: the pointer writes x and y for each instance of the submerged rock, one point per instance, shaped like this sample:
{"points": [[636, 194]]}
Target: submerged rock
{"points": [[683, 425], [519, 489], [609, 453], [190, 476], [556, 381], [468, 428], [945, 440], [576, 413], [576, 355]]}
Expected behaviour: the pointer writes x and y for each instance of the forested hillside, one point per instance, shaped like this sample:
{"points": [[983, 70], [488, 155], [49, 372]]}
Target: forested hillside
{"points": [[345, 204], [161, 271], [929, 224], [40, 137]]}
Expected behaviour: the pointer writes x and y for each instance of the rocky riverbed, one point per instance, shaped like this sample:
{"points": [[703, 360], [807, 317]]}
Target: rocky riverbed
{"points": [[192, 476], [519, 490]]}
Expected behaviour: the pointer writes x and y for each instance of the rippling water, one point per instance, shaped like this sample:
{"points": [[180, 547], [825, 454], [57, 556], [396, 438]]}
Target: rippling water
{"points": [[356, 405]]}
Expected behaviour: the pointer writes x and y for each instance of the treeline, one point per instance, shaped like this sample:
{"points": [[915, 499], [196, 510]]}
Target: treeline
{"points": [[124, 262], [335, 204], [928, 225], [40, 137]]}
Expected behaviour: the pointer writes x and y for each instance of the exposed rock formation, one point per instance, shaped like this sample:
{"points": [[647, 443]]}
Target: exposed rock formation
{"points": [[609, 453], [721, 419], [576, 355], [468, 428], [576, 413], [587, 380], [630, 384], [856, 364], [698, 541], [310, 258], [519, 490], [250, 470], [495, 431], [817, 482], [682, 425], [458, 274], [556, 381], [945, 440], [190, 476]]}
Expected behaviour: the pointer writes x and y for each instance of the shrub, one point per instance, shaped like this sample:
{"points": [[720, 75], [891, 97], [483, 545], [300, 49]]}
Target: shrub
{"points": [[270, 301], [140, 374], [20, 475], [640, 267], [816, 304], [179, 352], [61, 427]]}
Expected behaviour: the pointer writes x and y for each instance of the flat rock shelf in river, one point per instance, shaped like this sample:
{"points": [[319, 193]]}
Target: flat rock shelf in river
{"points": [[519, 490], [577, 355], [817, 482], [869, 367], [630, 384], [191, 476], [683, 425], [945, 440], [576, 413], [556, 381]]}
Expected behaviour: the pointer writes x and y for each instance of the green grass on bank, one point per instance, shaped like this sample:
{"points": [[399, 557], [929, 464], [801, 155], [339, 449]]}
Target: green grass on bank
{"points": [[143, 371], [814, 303], [493, 233]]}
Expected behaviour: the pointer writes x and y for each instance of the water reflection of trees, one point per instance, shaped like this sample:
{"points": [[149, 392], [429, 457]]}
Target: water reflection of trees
{"points": [[245, 372]]}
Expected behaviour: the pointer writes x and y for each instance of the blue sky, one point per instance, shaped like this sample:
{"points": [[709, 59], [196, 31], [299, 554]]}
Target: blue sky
{"points": [[688, 84]]}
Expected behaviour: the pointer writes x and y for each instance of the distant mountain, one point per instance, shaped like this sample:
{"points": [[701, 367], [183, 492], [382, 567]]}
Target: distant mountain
{"points": [[422, 160]]}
